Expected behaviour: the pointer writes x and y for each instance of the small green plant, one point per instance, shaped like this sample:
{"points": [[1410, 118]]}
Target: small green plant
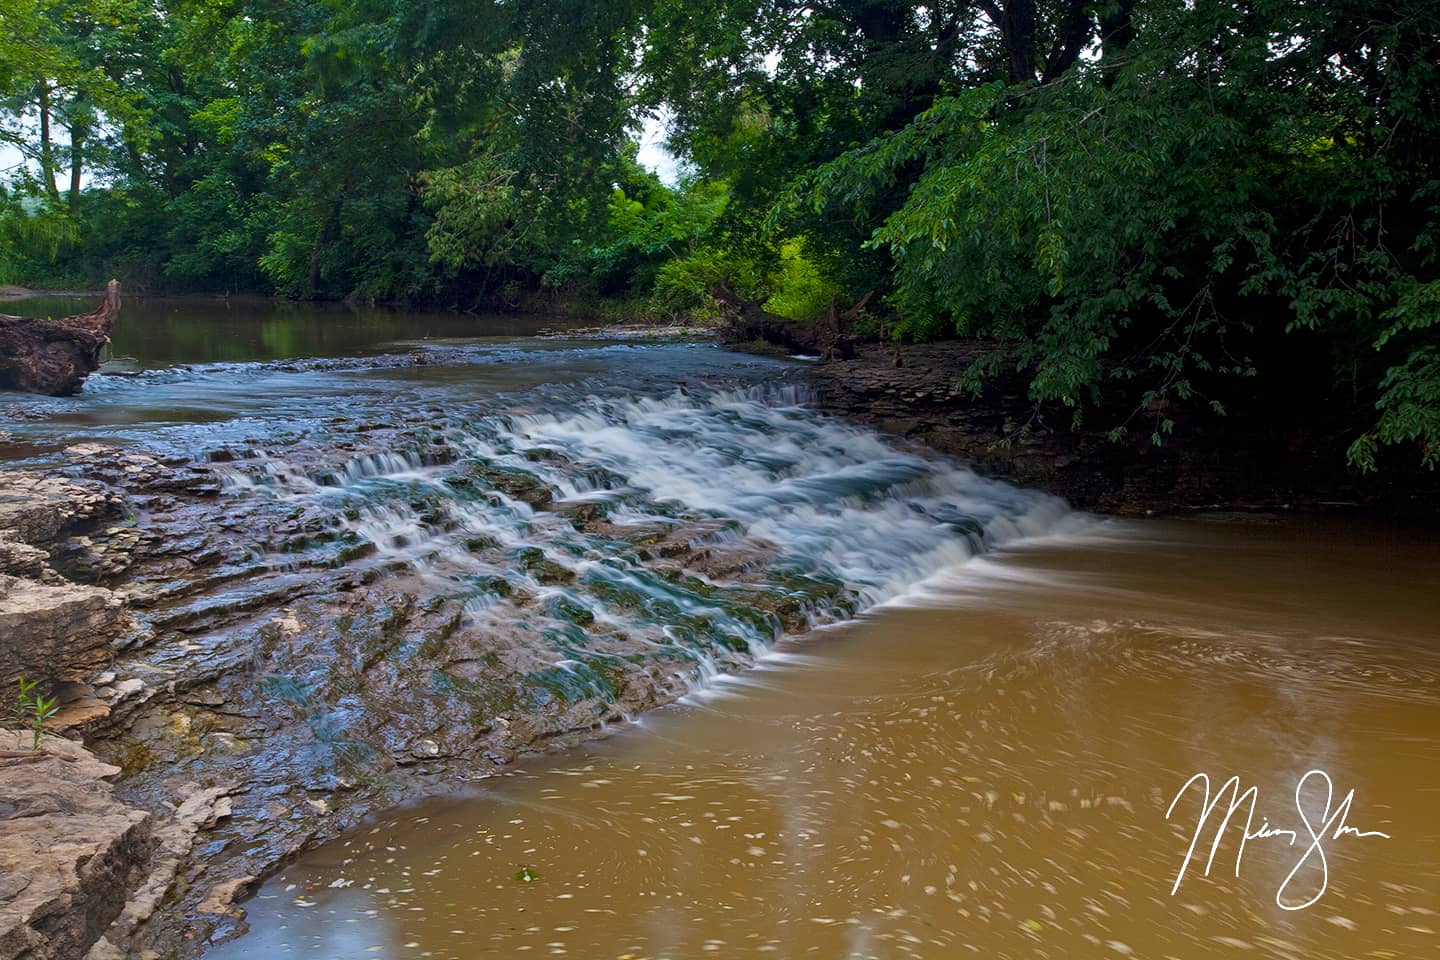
{"points": [[35, 710]]}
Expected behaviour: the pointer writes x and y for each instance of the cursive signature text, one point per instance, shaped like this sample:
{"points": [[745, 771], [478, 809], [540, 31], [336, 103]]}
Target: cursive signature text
{"points": [[1330, 825]]}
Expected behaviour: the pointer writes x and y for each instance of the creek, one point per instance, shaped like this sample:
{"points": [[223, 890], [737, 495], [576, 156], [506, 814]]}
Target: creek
{"points": [[912, 711]]}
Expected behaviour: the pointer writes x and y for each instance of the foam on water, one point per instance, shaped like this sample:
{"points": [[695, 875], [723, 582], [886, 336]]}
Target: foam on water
{"points": [[843, 518]]}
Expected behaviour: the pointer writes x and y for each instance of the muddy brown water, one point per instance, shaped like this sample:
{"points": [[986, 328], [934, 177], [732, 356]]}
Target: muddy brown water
{"points": [[984, 770]]}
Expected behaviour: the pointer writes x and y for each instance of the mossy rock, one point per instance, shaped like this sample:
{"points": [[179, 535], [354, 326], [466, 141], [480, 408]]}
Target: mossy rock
{"points": [[563, 608], [357, 551], [516, 484], [545, 571]]}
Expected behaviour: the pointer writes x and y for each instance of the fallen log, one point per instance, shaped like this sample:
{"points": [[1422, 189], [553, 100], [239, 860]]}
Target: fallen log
{"points": [[54, 356], [749, 321], [829, 337]]}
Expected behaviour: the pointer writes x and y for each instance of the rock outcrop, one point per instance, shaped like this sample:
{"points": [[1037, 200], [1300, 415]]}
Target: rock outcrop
{"points": [[21, 559], [55, 355], [70, 853], [52, 629], [60, 633], [37, 508]]}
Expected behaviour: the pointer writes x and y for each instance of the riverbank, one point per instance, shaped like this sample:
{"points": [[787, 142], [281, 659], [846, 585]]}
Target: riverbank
{"points": [[1235, 464], [1290, 459]]}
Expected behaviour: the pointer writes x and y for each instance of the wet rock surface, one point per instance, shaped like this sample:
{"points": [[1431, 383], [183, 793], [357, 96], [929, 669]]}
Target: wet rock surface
{"points": [[313, 682], [318, 622], [284, 678], [910, 390]]}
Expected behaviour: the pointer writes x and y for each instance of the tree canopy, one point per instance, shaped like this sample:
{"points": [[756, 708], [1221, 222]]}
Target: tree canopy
{"points": [[1154, 209]]}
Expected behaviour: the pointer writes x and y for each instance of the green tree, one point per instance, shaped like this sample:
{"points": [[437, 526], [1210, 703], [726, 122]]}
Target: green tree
{"points": [[1145, 227]]}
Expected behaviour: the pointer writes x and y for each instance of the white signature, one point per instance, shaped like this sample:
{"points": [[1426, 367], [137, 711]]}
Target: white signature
{"points": [[1330, 826]]}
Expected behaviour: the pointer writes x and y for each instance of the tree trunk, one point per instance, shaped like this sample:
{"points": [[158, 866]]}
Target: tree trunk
{"points": [[1075, 31], [1117, 30], [78, 132], [826, 338], [47, 149], [753, 322], [55, 356], [1017, 24], [328, 231]]}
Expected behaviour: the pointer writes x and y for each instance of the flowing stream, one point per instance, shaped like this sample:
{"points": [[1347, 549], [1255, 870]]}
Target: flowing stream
{"points": [[984, 771], [971, 752]]}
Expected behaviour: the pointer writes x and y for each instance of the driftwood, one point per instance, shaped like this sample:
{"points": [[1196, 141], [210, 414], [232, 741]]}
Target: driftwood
{"points": [[828, 337], [55, 356]]}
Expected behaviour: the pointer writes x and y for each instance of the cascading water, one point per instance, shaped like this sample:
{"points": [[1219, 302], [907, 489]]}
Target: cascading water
{"points": [[462, 533], [558, 507]]}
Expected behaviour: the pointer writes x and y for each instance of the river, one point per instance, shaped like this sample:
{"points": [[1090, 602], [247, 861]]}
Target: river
{"points": [[980, 763]]}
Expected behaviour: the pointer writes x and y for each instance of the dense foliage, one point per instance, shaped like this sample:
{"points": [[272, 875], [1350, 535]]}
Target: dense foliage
{"points": [[1155, 209]]}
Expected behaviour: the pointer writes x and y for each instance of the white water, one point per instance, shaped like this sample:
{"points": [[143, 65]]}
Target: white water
{"points": [[839, 517]]}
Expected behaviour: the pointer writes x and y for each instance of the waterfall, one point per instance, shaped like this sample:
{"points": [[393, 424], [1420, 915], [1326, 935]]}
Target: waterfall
{"points": [[577, 508]]}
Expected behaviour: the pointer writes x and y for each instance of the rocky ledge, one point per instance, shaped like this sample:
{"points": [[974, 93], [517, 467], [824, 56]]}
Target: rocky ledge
{"points": [[262, 678], [70, 852], [55, 631], [69, 630]]}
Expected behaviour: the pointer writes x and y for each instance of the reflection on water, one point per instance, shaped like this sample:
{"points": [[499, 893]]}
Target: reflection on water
{"points": [[153, 332], [982, 772]]}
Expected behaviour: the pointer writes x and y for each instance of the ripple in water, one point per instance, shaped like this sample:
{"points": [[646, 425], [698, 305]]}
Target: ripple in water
{"points": [[987, 776]]}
